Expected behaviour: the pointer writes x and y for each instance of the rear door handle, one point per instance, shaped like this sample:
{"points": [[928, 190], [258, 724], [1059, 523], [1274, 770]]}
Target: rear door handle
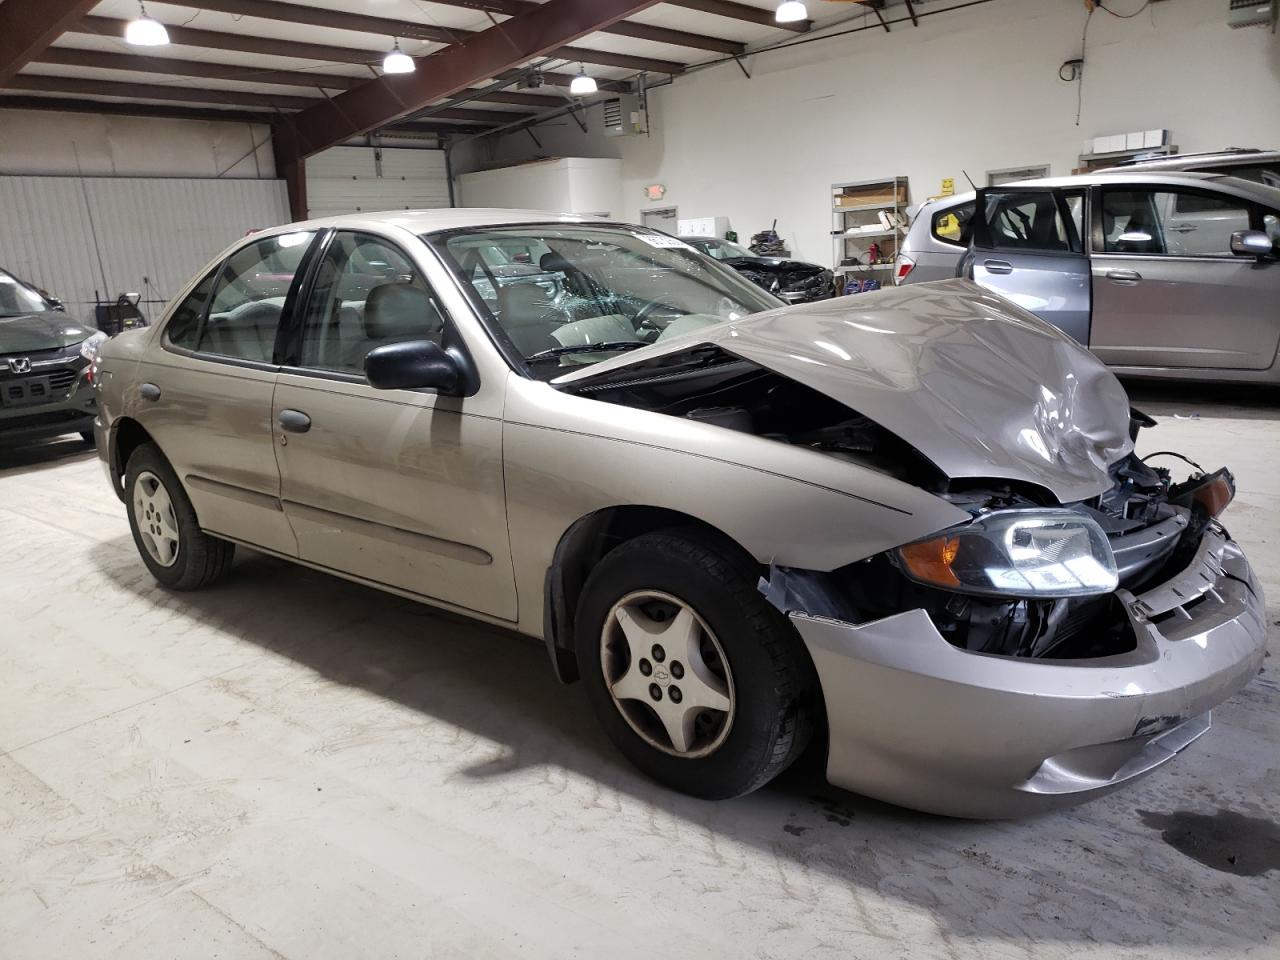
{"points": [[295, 421], [149, 391], [997, 266], [1124, 276], [1185, 227]]}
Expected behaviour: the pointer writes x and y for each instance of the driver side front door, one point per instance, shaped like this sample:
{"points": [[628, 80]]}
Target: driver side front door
{"points": [[402, 488]]}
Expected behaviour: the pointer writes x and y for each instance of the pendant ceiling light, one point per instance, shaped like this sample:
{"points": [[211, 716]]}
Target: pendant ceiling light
{"points": [[582, 84], [398, 61], [145, 32], [792, 11]]}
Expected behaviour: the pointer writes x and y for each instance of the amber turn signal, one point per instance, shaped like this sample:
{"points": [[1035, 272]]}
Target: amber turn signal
{"points": [[930, 560], [1214, 494]]}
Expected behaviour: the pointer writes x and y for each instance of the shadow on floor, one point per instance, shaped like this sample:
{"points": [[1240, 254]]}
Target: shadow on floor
{"points": [[1062, 877], [33, 457]]}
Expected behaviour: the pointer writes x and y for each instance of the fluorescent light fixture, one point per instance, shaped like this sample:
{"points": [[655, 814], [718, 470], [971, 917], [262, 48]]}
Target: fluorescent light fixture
{"points": [[145, 32], [791, 11], [583, 85], [397, 61]]}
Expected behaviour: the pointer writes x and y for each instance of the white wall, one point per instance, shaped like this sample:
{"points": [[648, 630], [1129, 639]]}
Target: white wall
{"points": [[566, 185], [48, 143], [973, 90]]}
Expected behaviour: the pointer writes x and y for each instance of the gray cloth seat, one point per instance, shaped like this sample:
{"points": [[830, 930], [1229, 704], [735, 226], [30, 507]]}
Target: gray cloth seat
{"points": [[394, 313], [528, 316]]}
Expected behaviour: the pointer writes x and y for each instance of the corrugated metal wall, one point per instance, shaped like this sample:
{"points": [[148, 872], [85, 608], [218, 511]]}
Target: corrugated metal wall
{"points": [[351, 180], [163, 230]]}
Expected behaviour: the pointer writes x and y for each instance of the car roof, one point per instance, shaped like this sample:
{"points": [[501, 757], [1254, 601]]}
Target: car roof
{"points": [[1136, 177], [1241, 156], [434, 221]]}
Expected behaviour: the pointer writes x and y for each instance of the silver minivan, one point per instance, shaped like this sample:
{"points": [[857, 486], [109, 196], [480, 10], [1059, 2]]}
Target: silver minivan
{"points": [[1159, 274]]}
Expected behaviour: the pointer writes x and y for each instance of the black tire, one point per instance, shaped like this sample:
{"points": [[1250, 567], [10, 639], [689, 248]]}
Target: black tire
{"points": [[776, 700], [200, 559], [87, 437]]}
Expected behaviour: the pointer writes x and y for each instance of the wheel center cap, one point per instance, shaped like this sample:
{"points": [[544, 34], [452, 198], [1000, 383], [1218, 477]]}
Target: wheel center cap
{"points": [[661, 675]]}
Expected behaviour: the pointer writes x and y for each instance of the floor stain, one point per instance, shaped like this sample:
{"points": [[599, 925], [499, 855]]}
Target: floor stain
{"points": [[794, 830], [1226, 841]]}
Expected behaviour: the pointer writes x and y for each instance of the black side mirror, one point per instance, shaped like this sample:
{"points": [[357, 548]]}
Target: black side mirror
{"points": [[1251, 243], [413, 365]]}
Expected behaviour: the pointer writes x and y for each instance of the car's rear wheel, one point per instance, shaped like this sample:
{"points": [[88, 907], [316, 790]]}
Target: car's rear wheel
{"points": [[696, 678], [177, 552]]}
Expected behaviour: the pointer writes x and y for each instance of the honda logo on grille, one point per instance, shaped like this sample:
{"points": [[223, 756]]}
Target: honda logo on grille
{"points": [[20, 364]]}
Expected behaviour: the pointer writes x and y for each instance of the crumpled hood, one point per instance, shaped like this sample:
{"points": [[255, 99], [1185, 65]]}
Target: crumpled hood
{"points": [[33, 332], [976, 384]]}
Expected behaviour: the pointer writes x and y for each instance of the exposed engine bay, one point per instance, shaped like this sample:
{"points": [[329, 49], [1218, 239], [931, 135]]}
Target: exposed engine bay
{"points": [[1152, 524]]}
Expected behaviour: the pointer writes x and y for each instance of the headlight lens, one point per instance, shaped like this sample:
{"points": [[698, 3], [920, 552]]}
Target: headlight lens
{"points": [[89, 348], [1018, 553]]}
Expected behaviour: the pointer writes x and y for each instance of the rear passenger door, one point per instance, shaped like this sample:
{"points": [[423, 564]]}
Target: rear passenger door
{"points": [[205, 394], [403, 488], [1027, 247], [1168, 291]]}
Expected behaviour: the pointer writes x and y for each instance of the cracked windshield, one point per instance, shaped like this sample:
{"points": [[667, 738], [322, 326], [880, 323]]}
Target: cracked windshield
{"points": [[567, 296]]}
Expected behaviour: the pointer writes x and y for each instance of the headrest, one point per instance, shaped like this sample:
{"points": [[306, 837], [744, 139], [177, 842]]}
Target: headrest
{"points": [[523, 304], [400, 311]]}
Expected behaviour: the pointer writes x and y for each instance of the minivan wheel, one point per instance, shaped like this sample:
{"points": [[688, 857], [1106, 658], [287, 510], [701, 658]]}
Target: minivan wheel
{"points": [[177, 552], [697, 680]]}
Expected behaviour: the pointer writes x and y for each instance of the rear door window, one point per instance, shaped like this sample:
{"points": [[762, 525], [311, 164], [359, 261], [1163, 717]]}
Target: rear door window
{"points": [[1029, 220], [249, 298]]}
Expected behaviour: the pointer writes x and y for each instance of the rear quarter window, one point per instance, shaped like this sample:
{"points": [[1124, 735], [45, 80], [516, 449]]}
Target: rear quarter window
{"points": [[948, 225]]}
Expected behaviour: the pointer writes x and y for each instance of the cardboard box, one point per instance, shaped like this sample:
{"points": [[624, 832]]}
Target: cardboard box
{"points": [[1133, 141], [881, 194], [1155, 138]]}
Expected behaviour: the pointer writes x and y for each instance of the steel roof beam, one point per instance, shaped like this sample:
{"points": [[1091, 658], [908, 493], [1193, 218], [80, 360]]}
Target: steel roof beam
{"points": [[741, 11], [363, 23], [29, 27], [487, 54]]}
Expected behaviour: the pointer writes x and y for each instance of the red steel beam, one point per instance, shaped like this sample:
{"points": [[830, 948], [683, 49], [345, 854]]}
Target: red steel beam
{"points": [[29, 27], [489, 53], [177, 111], [40, 83], [741, 11], [363, 23], [171, 66], [623, 28]]}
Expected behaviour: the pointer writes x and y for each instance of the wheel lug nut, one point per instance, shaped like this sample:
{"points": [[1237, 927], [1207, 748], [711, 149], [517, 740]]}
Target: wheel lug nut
{"points": [[655, 691], [677, 669], [646, 667], [658, 653], [675, 694]]}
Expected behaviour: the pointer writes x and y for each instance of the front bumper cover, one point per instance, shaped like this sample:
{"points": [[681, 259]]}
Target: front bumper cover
{"points": [[918, 722]]}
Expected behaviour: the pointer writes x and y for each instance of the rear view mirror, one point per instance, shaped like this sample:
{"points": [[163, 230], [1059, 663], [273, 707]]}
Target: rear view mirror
{"points": [[1251, 243], [414, 365]]}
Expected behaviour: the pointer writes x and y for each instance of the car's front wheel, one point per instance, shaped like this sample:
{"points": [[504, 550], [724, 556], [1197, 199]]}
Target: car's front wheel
{"points": [[177, 552], [699, 681]]}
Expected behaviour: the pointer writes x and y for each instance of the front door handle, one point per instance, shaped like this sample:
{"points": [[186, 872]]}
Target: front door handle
{"points": [[149, 391], [295, 421], [998, 266], [1124, 276]]}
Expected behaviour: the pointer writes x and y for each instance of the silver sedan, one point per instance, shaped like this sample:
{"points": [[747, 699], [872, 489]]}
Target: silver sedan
{"points": [[911, 521]]}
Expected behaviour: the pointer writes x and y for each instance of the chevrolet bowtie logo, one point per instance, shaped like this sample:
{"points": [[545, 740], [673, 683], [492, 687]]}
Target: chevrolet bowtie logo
{"points": [[20, 364]]}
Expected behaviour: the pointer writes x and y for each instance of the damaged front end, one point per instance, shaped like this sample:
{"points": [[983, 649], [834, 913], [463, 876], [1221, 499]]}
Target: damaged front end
{"points": [[1100, 661]]}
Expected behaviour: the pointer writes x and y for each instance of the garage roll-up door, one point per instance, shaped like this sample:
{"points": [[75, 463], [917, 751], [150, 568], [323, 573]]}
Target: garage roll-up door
{"points": [[367, 179], [76, 235]]}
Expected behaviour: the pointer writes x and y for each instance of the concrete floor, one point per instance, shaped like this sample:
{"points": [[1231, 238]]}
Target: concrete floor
{"points": [[288, 765]]}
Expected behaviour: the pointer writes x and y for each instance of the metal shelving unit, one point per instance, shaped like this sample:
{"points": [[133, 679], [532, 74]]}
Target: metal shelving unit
{"points": [[890, 196]]}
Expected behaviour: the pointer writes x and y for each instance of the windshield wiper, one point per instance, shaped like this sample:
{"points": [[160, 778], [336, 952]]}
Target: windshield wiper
{"points": [[555, 352]]}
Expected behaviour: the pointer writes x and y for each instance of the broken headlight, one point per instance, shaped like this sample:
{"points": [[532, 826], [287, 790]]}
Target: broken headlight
{"points": [[1016, 553]]}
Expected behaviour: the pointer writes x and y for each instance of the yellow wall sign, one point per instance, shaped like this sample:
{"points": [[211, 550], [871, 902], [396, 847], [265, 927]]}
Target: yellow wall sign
{"points": [[948, 186]]}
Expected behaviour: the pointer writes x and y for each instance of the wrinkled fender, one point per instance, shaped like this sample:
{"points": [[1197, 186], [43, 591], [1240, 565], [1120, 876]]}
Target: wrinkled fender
{"points": [[782, 504]]}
